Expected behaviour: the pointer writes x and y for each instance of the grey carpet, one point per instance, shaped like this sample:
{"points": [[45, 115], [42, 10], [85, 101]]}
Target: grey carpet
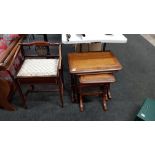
{"points": [[134, 83]]}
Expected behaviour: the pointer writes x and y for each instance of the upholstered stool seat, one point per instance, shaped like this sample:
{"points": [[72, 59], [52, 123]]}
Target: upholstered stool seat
{"points": [[102, 81], [38, 68]]}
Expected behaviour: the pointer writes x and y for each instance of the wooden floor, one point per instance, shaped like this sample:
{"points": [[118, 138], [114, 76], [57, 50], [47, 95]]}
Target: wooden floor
{"points": [[150, 38]]}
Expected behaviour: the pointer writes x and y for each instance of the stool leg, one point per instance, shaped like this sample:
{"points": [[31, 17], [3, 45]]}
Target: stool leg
{"points": [[81, 104], [108, 92], [104, 98], [104, 103], [104, 88], [81, 100]]}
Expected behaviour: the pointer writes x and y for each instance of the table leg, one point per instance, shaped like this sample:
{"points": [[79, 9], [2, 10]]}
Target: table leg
{"points": [[109, 93], [80, 47], [75, 48], [81, 104], [45, 37], [104, 103], [73, 98], [104, 98], [104, 46]]}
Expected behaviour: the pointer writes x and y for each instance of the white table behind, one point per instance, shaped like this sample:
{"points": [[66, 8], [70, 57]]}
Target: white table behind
{"points": [[90, 38]]}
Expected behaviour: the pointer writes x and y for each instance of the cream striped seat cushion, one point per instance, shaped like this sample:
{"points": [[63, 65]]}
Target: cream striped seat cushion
{"points": [[38, 68]]}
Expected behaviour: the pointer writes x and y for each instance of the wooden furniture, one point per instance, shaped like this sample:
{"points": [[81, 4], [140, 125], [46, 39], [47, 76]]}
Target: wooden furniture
{"points": [[31, 38], [90, 63], [5, 90], [42, 69], [101, 82], [7, 86]]}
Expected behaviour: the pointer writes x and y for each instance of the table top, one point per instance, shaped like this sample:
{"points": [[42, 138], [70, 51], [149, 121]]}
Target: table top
{"points": [[90, 38], [93, 62]]}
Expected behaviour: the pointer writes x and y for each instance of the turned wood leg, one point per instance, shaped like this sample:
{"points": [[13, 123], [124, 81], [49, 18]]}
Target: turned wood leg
{"points": [[106, 97], [104, 89], [80, 99], [104, 103], [109, 93], [81, 104], [61, 92], [73, 87]]}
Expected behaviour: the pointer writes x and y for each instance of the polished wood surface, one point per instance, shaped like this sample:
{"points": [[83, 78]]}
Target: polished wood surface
{"points": [[97, 78], [4, 95], [101, 81], [91, 62], [84, 67], [10, 55], [5, 53]]}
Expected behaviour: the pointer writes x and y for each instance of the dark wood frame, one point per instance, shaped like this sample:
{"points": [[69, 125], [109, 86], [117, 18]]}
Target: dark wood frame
{"points": [[8, 88], [77, 93], [55, 80], [104, 93], [74, 75]]}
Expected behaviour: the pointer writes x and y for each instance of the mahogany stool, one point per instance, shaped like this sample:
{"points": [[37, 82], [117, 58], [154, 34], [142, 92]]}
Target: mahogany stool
{"points": [[91, 81]]}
